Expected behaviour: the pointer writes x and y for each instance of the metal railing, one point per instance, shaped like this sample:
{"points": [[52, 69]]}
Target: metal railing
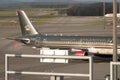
{"points": [[90, 74], [112, 64]]}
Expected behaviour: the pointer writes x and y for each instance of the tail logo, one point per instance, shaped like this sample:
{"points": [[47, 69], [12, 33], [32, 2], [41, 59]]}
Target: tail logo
{"points": [[27, 28]]}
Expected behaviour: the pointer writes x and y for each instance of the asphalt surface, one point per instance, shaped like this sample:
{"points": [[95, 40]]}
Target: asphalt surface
{"points": [[64, 26]]}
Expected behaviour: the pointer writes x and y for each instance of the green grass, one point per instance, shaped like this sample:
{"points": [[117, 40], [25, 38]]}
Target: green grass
{"points": [[7, 14], [10, 18]]}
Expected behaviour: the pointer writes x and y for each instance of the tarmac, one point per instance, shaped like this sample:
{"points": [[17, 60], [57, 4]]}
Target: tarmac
{"points": [[64, 26]]}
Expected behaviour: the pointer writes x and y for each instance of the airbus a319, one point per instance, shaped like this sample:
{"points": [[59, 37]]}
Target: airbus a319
{"points": [[86, 44]]}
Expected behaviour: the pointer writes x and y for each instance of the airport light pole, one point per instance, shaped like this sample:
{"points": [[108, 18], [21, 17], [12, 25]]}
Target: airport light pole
{"points": [[115, 37], [104, 9]]}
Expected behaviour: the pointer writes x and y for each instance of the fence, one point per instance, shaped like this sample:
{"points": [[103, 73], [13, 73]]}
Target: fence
{"points": [[112, 69], [90, 74]]}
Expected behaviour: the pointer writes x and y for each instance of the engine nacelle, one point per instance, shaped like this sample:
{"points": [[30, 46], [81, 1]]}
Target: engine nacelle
{"points": [[80, 52]]}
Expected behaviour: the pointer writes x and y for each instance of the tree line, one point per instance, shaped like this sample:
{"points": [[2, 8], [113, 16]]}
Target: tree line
{"points": [[93, 9], [79, 9], [48, 5]]}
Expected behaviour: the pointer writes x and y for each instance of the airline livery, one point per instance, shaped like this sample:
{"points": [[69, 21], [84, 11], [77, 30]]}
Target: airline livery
{"points": [[84, 44]]}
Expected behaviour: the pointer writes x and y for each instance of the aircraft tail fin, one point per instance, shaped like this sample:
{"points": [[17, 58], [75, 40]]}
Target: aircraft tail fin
{"points": [[25, 24]]}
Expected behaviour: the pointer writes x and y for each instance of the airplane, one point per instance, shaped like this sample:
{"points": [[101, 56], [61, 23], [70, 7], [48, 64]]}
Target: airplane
{"points": [[80, 44]]}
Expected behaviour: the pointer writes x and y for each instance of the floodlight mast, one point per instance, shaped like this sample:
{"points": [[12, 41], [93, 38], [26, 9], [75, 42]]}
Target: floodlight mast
{"points": [[115, 37]]}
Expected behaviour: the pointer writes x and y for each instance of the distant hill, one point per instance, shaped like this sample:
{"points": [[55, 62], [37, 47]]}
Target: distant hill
{"points": [[54, 0], [74, 1], [9, 4], [17, 1], [93, 0]]}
